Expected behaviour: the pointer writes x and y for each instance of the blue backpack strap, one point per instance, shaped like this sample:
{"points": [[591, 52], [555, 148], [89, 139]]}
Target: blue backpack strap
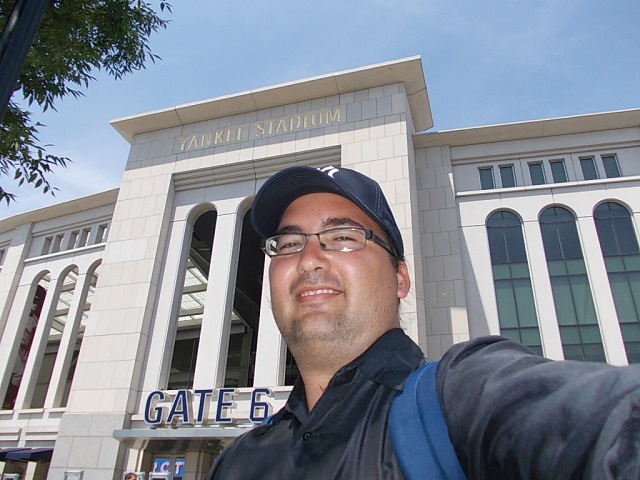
{"points": [[419, 431]]}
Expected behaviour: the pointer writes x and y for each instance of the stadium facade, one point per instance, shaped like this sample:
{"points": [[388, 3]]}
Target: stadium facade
{"points": [[136, 333]]}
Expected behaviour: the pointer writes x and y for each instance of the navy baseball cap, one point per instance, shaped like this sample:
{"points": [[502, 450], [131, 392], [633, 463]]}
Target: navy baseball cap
{"points": [[285, 186]]}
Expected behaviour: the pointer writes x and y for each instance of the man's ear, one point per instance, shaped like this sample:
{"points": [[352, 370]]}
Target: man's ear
{"points": [[404, 282]]}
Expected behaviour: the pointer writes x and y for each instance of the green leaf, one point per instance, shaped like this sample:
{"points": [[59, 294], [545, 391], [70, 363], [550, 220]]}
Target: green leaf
{"points": [[75, 39]]}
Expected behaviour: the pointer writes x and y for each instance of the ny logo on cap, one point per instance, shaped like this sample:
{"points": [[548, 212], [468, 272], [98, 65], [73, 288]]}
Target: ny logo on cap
{"points": [[330, 170]]}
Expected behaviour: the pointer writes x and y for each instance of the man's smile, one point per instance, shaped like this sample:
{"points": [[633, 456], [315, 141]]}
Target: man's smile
{"points": [[320, 291]]}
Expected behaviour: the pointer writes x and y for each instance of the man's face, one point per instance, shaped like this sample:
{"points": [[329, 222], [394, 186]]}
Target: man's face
{"points": [[334, 300]]}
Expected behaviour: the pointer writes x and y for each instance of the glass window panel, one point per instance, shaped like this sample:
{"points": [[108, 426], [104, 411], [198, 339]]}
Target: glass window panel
{"points": [[570, 241], [590, 334], [610, 210], [507, 176], [632, 263], [558, 172], [536, 171], [570, 336], [551, 242], [634, 284], [623, 297], [515, 244], [625, 236], [486, 178], [183, 363], [573, 352], [506, 242], [615, 230], [583, 300], [604, 210], [563, 301], [519, 270], [611, 168], [501, 272], [607, 237], [633, 352], [589, 171], [594, 352], [511, 334], [524, 303], [576, 267], [557, 268], [558, 215], [497, 246], [503, 218], [507, 312], [631, 332], [530, 337], [617, 210], [614, 264], [537, 349]]}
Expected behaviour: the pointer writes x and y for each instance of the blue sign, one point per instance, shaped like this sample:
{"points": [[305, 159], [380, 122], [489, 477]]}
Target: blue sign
{"points": [[163, 465], [163, 408]]}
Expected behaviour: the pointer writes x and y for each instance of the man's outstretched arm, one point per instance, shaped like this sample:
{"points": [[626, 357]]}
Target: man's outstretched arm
{"points": [[515, 415]]}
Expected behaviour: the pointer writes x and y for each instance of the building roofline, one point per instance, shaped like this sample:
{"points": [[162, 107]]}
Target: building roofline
{"points": [[60, 209], [530, 129], [407, 70]]}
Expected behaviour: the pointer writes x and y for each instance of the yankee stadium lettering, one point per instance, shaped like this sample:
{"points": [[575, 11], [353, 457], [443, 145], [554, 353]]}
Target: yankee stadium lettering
{"points": [[262, 129]]}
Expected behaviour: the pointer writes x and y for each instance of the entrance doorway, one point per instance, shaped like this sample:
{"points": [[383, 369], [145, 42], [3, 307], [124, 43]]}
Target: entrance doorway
{"points": [[179, 459]]}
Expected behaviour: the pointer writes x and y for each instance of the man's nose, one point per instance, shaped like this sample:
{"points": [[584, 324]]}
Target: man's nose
{"points": [[312, 255]]}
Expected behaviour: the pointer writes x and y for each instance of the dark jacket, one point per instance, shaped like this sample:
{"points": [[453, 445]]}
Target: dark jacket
{"points": [[513, 415]]}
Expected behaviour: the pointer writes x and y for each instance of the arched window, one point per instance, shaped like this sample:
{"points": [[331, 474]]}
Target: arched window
{"points": [[185, 348], [579, 330], [241, 355], [58, 324], [73, 361], [511, 280], [619, 245], [26, 342]]}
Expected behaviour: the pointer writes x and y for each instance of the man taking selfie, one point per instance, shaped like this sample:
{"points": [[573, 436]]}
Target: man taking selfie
{"points": [[367, 405]]}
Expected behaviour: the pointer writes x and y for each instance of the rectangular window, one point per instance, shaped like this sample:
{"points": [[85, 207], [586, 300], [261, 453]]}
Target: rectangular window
{"points": [[2, 252], [102, 231], [558, 171], [507, 176], [84, 237], [73, 237], [589, 171], [536, 171], [46, 246], [57, 243], [611, 167], [486, 178]]}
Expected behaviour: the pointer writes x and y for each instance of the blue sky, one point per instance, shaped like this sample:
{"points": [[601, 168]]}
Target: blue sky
{"points": [[485, 63]]}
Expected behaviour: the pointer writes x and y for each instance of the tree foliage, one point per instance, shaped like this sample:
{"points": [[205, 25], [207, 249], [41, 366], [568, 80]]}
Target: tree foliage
{"points": [[75, 38]]}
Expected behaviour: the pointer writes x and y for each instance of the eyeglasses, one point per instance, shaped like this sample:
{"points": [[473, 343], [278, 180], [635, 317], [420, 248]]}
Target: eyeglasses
{"points": [[334, 239]]}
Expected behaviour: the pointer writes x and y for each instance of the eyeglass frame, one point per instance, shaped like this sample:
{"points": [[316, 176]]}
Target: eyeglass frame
{"points": [[368, 235]]}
